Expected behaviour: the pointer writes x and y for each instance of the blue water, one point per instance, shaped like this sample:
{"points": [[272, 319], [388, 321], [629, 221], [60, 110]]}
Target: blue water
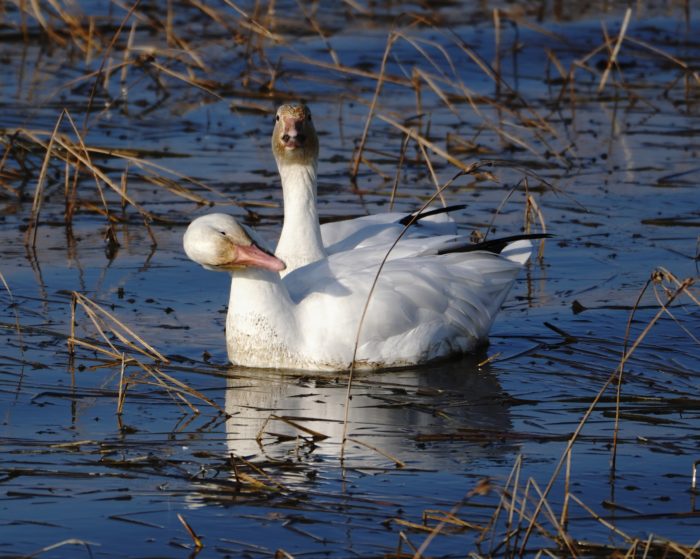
{"points": [[614, 175]]}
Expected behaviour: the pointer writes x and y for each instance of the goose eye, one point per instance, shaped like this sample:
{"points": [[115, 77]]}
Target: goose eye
{"points": [[277, 118]]}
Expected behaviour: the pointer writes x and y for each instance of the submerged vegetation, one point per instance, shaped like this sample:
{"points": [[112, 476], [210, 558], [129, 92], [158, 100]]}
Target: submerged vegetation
{"points": [[576, 434]]}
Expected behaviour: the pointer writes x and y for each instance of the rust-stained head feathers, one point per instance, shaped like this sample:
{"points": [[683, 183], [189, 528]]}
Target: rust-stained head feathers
{"points": [[294, 139], [218, 242]]}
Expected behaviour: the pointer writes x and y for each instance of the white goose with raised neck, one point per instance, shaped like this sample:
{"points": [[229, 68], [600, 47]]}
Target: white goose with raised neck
{"points": [[295, 147], [303, 240], [435, 299]]}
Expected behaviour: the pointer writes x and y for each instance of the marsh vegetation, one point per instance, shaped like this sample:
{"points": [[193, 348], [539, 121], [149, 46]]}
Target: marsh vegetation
{"points": [[125, 432]]}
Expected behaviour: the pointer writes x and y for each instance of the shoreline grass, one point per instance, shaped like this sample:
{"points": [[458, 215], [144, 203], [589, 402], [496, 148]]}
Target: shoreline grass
{"points": [[417, 111]]}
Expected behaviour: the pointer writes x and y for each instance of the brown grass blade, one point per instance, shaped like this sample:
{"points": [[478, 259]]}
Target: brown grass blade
{"points": [[195, 538], [179, 386], [533, 208], [614, 375], [274, 485], [104, 320], [450, 518], [433, 176], [121, 396], [317, 28], [563, 537], [427, 143], [506, 500], [600, 519], [482, 487], [30, 235], [369, 298], [396, 461], [251, 24], [397, 177], [616, 50], [194, 82], [315, 435], [391, 39]]}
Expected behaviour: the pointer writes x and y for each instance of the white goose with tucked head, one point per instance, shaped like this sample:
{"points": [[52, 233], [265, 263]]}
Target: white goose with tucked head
{"points": [[295, 147], [434, 298]]}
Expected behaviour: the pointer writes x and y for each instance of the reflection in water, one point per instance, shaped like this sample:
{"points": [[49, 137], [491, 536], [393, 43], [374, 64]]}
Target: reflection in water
{"points": [[280, 415]]}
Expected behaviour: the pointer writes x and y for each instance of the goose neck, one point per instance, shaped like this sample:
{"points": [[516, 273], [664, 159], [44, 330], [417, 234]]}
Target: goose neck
{"points": [[259, 291], [300, 241]]}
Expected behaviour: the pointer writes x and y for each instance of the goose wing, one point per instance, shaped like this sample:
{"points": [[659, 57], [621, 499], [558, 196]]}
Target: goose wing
{"points": [[383, 229], [424, 306]]}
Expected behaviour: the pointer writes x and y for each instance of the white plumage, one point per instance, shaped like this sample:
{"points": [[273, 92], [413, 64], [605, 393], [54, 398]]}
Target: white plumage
{"points": [[381, 230], [425, 306], [303, 240], [432, 299]]}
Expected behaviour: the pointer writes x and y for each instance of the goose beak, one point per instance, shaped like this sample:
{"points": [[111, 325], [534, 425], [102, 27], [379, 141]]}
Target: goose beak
{"points": [[293, 136], [254, 256]]}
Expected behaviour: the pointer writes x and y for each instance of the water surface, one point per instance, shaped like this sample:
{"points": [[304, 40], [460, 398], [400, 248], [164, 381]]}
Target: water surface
{"points": [[187, 126]]}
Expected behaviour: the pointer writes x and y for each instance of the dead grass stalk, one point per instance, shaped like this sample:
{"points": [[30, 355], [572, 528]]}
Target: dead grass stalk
{"points": [[109, 327], [369, 298], [391, 39], [682, 288], [616, 50]]}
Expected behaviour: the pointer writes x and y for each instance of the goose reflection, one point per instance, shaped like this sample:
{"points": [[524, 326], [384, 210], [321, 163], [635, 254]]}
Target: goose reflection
{"points": [[404, 414]]}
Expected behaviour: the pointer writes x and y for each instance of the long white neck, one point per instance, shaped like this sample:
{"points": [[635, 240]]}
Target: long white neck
{"points": [[300, 242], [261, 325]]}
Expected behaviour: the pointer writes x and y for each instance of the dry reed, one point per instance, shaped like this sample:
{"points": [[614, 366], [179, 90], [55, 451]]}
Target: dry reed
{"points": [[107, 326], [515, 539], [34, 153], [196, 540]]}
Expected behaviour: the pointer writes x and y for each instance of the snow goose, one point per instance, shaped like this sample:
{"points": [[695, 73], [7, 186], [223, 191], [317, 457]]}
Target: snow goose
{"points": [[302, 241], [436, 297]]}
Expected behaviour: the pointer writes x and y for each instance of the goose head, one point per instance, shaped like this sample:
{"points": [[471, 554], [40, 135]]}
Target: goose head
{"points": [[294, 139], [218, 242]]}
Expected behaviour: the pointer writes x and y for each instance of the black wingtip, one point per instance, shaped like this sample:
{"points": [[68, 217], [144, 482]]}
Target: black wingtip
{"points": [[405, 220], [494, 245]]}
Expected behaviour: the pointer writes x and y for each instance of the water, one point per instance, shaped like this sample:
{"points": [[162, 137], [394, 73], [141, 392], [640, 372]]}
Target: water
{"points": [[613, 174]]}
